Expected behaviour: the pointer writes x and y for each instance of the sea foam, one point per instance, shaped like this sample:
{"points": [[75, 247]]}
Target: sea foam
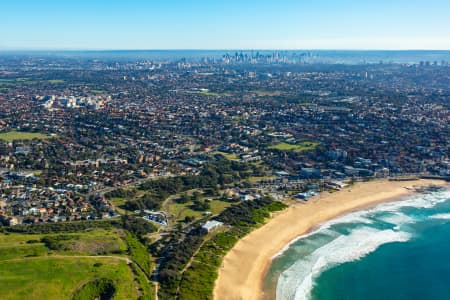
{"points": [[324, 228], [445, 216], [364, 216], [398, 219], [297, 281], [419, 201]]}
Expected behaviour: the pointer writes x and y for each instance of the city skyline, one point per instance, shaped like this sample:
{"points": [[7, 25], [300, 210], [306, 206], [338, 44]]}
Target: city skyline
{"points": [[174, 24]]}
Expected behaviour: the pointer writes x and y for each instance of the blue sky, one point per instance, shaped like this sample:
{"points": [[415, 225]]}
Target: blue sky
{"points": [[225, 24]]}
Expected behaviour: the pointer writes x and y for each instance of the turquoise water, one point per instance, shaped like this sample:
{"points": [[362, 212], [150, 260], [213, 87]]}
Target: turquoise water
{"points": [[398, 250]]}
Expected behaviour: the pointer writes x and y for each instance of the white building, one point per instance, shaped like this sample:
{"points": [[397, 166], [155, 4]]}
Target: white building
{"points": [[211, 225]]}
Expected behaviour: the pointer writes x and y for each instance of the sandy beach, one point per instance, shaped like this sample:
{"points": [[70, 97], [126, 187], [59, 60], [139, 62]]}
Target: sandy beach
{"points": [[243, 270]]}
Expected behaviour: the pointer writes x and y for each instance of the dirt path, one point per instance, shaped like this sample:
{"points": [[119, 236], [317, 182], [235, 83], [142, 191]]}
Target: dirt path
{"points": [[165, 207], [156, 290], [126, 259], [192, 258]]}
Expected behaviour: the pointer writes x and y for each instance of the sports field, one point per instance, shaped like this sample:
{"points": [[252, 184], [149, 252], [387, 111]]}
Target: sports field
{"points": [[14, 135], [298, 147]]}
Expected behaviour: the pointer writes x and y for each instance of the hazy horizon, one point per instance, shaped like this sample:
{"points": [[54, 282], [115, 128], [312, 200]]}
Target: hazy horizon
{"points": [[313, 56], [217, 49]]}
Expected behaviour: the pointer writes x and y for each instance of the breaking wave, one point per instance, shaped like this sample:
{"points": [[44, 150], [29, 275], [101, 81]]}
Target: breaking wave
{"points": [[364, 233], [297, 282], [441, 216]]}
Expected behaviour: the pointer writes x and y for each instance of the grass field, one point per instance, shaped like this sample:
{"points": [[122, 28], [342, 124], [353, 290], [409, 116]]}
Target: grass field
{"points": [[16, 246], [92, 242], [218, 206], [58, 278], [100, 242], [97, 92], [298, 147], [229, 156], [30, 270], [21, 251], [211, 94], [20, 135], [263, 93], [182, 210], [14, 239], [118, 202], [254, 179], [56, 81]]}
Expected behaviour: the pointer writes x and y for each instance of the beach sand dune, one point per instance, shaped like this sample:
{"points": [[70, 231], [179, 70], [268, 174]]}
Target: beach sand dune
{"points": [[243, 269]]}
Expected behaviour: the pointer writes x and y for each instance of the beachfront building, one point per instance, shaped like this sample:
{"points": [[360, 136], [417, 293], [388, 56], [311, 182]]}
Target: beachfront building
{"points": [[211, 225]]}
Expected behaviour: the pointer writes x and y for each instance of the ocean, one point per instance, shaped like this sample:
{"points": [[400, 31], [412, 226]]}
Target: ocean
{"points": [[396, 250]]}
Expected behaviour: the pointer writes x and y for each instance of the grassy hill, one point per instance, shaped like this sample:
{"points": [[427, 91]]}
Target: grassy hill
{"points": [[60, 277], [69, 264]]}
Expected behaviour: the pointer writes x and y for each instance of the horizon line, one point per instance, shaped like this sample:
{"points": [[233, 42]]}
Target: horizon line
{"points": [[216, 49]]}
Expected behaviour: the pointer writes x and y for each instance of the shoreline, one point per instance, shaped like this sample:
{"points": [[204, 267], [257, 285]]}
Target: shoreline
{"points": [[244, 267]]}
